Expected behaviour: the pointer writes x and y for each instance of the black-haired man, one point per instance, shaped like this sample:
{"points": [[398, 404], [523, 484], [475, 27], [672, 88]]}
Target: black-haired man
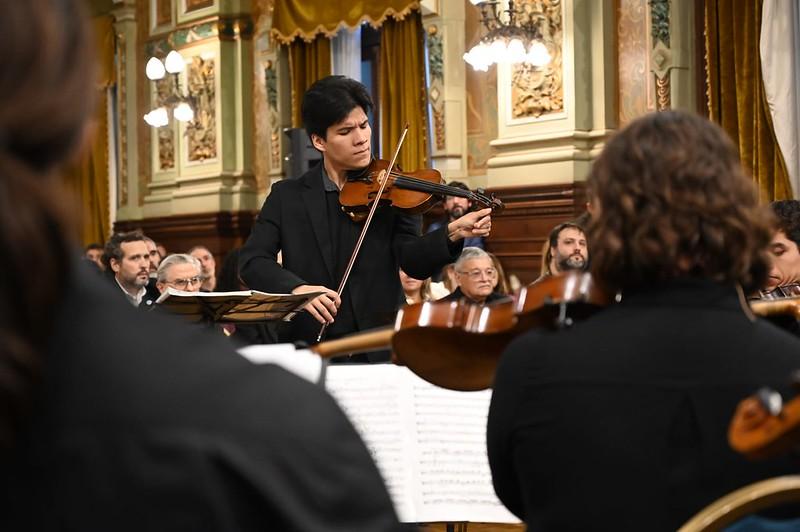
{"points": [[784, 275], [302, 218], [127, 260]]}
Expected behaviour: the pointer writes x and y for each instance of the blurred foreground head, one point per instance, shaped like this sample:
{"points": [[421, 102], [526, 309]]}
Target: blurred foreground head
{"points": [[669, 199], [46, 100]]}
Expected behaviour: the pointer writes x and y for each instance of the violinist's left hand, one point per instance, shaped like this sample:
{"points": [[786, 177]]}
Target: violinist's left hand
{"points": [[477, 223]]}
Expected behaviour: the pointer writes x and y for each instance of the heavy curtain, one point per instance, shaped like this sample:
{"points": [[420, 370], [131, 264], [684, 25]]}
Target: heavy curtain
{"points": [[402, 92], [308, 62], [307, 18], [736, 92], [88, 178]]}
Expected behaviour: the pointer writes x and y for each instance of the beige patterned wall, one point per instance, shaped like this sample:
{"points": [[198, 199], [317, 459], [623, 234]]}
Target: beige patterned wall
{"points": [[481, 102], [635, 96]]}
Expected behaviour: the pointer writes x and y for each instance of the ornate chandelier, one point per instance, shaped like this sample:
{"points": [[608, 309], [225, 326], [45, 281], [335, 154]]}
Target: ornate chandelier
{"points": [[182, 105], [510, 38]]}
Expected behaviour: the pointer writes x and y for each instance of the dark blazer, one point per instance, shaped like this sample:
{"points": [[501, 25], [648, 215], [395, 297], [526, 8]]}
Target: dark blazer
{"points": [[294, 221], [144, 423], [457, 295], [621, 422]]}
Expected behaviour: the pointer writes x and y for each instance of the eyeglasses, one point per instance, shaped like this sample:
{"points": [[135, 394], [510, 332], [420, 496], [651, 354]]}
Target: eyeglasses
{"points": [[476, 274], [184, 283]]}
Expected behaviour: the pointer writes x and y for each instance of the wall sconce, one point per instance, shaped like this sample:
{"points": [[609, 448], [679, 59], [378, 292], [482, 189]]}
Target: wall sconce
{"points": [[182, 105], [508, 38]]}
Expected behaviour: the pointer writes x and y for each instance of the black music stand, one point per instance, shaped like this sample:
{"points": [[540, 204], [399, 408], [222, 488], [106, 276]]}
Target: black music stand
{"points": [[244, 306]]}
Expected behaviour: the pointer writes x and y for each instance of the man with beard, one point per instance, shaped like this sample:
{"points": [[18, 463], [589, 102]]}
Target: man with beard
{"points": [[128, 260], [455, 207], [567, 250]]}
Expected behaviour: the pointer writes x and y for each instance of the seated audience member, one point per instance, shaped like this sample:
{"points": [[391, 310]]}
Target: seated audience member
{"points": [[128, 261], [116, 420], [476, 278], [784, 275], [179, 271], [454, 208], [566, 249], [162, 251], [414, 290], [153, 255], [449, 278], [209, 265], [631, 406], [501, 282], [94, 253]]}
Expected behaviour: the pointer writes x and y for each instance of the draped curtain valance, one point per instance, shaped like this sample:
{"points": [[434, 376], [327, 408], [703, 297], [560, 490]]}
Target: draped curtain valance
{"points": [[308, 18]]}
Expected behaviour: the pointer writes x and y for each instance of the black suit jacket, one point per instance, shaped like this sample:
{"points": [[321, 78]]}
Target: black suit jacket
{"points": [[294, 221], [142, 422], [621, 422]]}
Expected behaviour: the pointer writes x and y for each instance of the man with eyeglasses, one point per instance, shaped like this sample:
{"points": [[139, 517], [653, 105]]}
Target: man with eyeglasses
{"points": [[181, 272], [476, 276]]}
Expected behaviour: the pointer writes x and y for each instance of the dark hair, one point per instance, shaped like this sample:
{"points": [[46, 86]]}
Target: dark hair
{"points": [[114, 246], [458, 184], [556, 231], [46, 77], [94, 245], [552, 241], [787, 213], [672, 200], [329, 101]]}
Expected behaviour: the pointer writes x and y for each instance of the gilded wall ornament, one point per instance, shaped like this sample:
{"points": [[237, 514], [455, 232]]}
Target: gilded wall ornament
{"points": [[201, 133], [436, 80], [539, 91], [166, 135], [271, 85]]}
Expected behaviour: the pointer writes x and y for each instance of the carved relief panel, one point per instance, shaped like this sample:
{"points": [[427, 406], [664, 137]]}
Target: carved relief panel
{"points": [[539, 91], [201, 133]]}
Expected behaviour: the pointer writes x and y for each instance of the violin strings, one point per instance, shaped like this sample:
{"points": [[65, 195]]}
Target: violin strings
{"points": [[434, 188]]}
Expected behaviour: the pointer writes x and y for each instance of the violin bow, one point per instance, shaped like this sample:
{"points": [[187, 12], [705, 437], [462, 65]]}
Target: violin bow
{"points": [[361, 236]]}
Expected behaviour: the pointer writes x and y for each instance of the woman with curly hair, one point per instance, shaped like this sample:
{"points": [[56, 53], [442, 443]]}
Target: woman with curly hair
{"points": [[111, 419], [620, 422]]}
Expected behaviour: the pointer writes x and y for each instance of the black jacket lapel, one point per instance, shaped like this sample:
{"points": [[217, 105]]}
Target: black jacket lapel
{"points": [[314, 200]]}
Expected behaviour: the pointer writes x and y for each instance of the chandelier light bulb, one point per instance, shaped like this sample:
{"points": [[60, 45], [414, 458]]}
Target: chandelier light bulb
{"points": [[157, 117], [154, 69], [516, 51], [183, 112], [498, 50], [538, 55], [174, 62]]}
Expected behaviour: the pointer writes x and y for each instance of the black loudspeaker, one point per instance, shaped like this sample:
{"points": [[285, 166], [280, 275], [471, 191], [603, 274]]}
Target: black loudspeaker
{"points": [[302, 154]]}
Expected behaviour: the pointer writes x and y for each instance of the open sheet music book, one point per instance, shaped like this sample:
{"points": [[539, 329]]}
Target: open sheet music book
{"points": [[236, 307], [429, 443]]}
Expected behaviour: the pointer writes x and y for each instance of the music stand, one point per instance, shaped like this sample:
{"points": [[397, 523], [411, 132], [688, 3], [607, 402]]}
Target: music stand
{"points": [[244, 306]]}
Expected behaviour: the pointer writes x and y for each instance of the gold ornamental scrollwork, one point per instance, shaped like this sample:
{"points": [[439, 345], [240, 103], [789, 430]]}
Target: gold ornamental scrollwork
{"points": [[166, 135], [201, 133], [539, 91]]}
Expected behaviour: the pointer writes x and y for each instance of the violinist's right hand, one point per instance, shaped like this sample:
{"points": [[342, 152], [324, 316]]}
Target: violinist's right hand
{"points": [[323, 307]]}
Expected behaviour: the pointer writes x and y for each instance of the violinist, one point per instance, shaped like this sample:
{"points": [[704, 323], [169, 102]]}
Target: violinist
{"points": [[303, 219], [477, 277], [784, 275], [633, 403]]}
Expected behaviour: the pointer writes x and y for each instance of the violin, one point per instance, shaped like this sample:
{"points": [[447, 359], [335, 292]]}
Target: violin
{"points": [[764, 426], [413, 192], [457, 344]]}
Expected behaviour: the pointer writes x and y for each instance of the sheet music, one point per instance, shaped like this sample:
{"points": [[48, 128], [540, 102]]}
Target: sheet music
{"points": [[429, 443], [302, 362]]}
